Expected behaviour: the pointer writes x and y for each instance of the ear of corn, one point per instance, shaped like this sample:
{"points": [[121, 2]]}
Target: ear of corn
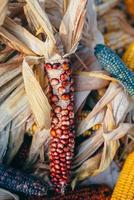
{"points": [[62, 127], [128, 56], [94, 192], [124, 188], [19, 182], [115, 66]]}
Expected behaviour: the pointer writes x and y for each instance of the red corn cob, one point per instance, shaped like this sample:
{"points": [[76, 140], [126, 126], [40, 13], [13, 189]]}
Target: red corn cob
{"points": [[62, 131], [94, 192]]}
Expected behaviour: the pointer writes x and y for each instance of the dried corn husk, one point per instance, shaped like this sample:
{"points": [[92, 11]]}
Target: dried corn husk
{"points": [[70, 38], [91, 35], [6, 195], [39, 139], [112, 130], [111, 20], [3, 10], [119, 39], [104, 7], [4, 138], [39, 102], [17, 131]]}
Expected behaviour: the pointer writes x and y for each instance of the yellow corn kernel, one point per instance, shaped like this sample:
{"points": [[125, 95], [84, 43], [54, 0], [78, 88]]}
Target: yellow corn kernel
{"points": [[128, 56], [33, 129], [87, 133], [124, 189]]}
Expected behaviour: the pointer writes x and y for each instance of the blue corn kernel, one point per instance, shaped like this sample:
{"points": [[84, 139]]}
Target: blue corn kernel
{"points": [[20, 182], [112, 63]]}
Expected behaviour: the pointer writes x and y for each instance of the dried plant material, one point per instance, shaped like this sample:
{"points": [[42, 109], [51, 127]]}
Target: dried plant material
{"points": [[31, 19], [112, 116], [37, 99], [39, 139], [55, 10], [106, 6], [32, 43], [3, 10], [6, 195], [8, 72], [4, 138], [70, 38], [15, 104], [91, 35], [6, 89], [42, 19], [87, 148], [80, 97], [86, 169], [108, 96], [83, 82], [11, 41], [17, 131]]}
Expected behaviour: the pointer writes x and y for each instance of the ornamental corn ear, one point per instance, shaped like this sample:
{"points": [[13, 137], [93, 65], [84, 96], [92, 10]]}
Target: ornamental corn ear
{"points": [[124, 188], [62, 127], [19, 182], [94, 192], [115, 66], [128, 56]]}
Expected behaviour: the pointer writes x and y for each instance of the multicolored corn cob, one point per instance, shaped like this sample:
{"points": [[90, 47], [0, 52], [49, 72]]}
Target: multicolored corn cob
{"points": [[115, 66], [62, 131], [19, 182], [128, 56], [94, 192], [124, 188]]}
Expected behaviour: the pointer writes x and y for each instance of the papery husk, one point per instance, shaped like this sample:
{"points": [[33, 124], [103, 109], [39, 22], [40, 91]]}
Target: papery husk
{"points": [[87, 148], [38, 102], [106, 6], [3, 10], [91, 35], [108, 96], [11, 41], [40, 138], [4, 138], [117, 105], [6, 89], [29, 40], [55, 10], [86, 170], [17, 131], [8, 72], [14, 105], [71, 37], [6, 195], [42, 19]]}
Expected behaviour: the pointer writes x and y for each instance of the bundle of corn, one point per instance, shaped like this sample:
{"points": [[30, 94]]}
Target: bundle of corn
{"points": [[124, 186], [128, 56], [59, 71]]}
